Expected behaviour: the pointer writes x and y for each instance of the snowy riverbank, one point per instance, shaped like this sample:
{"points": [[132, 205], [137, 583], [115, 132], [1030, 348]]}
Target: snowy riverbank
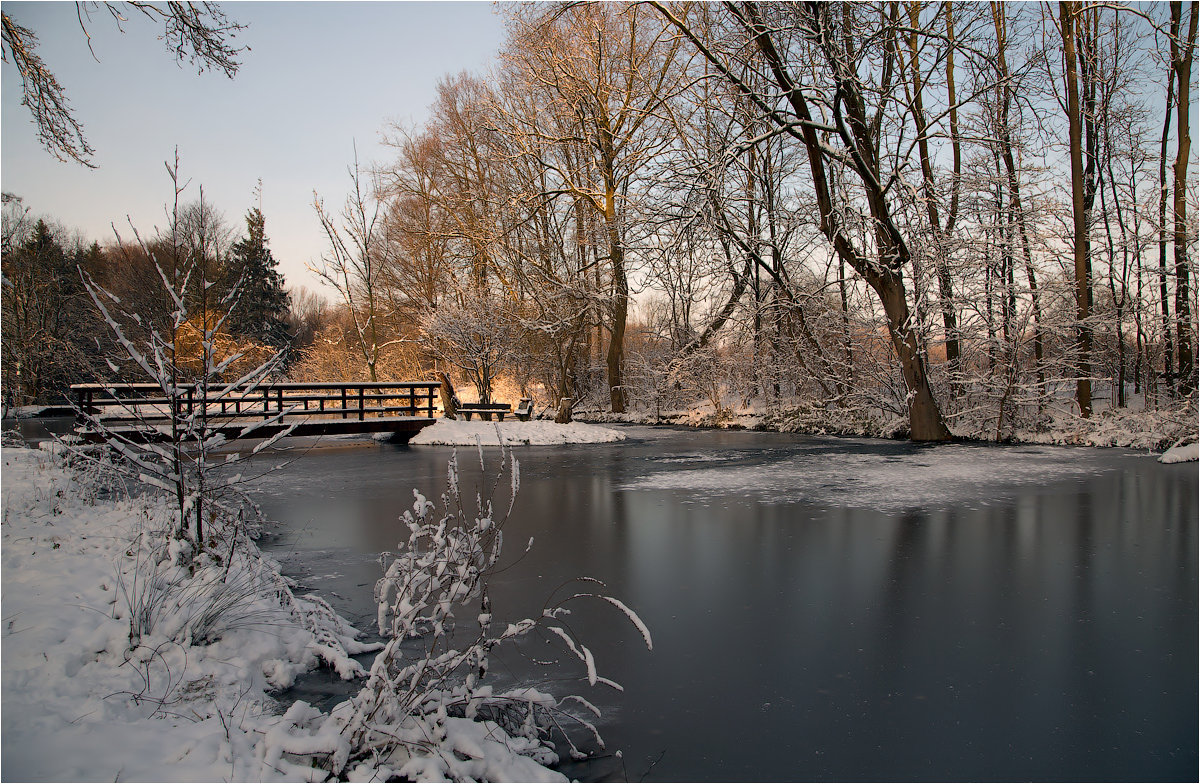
{"points": [[191, 698], [1155, 430]]}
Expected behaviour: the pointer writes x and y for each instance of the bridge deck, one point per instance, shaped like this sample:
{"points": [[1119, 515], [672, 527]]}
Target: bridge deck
{"points": [[404, 428]]}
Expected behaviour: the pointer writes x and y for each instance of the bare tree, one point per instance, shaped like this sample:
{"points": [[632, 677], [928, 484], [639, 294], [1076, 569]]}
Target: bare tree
{"points": [[1068, 23], [942, 229], [16, 222], [828, 37], [182, 464], [355, 263], [605, 72], [418, 225], [476, 334], [199, 33], [1006, 87], [1163, 193]]}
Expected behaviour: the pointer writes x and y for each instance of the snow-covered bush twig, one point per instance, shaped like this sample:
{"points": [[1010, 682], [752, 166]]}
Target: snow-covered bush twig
{"points": [[178, 458]]}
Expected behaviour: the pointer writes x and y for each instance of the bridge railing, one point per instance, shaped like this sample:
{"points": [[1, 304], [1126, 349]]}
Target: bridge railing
{"points": [[326, 400]]}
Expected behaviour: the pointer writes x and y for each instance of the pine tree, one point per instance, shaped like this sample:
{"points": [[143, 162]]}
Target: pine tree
{"points": [[263, 304]]}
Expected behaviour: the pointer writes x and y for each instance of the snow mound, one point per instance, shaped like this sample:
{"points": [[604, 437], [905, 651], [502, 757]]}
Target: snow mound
{"points": [[450, 432], [1181, 454]]}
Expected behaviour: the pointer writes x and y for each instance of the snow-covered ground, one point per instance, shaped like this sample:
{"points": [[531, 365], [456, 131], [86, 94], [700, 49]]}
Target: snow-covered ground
{"points": [[1181, 454], [80, 702], [537, 432]]}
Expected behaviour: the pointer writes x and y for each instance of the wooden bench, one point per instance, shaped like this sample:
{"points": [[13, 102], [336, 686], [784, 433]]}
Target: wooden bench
{"points": [[485, 410], [524, 409]]}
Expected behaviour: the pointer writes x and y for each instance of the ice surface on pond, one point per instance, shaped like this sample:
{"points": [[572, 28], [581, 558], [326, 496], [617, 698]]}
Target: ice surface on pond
{"points": [[697, 457], [538, 432], [941, 476]]}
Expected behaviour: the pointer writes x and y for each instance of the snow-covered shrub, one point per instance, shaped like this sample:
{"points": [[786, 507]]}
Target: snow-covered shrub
{"points": [[200, 603], [165, 592], [427, 711]]}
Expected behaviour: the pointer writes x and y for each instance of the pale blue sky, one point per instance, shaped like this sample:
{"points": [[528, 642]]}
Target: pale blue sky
{"points": [[320, 77]]}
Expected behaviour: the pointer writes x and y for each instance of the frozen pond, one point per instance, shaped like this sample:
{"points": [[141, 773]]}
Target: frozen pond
{"points": [[825, 609]]}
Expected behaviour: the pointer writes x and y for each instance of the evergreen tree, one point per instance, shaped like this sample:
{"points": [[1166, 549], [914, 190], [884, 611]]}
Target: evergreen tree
{"points": [[263, 305]]}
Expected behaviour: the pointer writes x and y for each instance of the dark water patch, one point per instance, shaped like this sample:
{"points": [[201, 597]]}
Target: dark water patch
{"points": [[34, 430]]}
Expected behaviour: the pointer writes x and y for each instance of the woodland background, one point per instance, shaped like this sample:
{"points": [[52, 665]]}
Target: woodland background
{"points": [[968, 217]]}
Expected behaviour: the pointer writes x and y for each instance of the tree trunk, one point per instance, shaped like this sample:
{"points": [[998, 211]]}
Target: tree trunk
{"points": [[924, 416], [616, 345], [1083, 334], [446, 392], [1163, 189], [620, 310], [1014, 192], [1183, 316], [945, 292]]}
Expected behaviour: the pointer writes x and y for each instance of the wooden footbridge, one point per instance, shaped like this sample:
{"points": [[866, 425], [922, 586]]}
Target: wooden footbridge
{"points": [[144, 412]]}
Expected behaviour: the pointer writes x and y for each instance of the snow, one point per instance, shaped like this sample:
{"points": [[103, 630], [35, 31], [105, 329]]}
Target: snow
{"points": [[68, 673], [835, 474], [451, 432], [1181, 454], [80, 702]]}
